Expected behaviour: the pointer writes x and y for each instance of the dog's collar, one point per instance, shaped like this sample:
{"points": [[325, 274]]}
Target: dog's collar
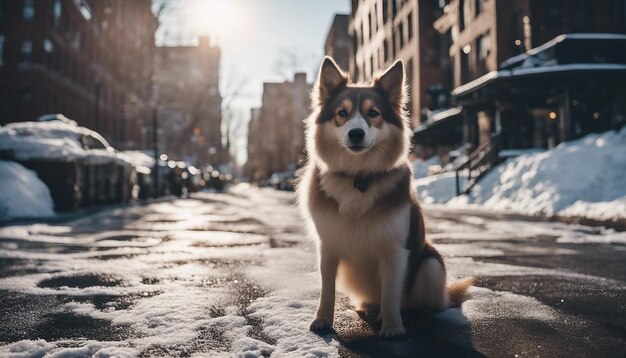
{"points": [[363, 182]]}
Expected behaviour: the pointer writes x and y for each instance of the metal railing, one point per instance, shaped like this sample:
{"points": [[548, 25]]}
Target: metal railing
{"points": [[477, 164]]}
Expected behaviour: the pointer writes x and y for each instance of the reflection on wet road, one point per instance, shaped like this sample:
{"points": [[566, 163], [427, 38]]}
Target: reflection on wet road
{"points": [[233, 273]]}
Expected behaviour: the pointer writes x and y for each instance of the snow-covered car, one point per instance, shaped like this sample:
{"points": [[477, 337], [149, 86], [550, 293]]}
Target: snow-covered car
{"points": [[77, 164], [144, 166]]}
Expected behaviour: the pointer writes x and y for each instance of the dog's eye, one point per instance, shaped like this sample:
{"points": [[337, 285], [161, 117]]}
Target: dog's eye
{"points": [[342, 113], [372, 113]]}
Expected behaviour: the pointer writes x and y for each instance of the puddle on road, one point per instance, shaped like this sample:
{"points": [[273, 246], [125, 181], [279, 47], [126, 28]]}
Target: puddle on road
{"points": [[11, 267], [57, 326], [81, 281], [42, 317], [277, 243]]}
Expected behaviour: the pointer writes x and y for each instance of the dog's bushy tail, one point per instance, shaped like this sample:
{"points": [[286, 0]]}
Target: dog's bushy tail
{"points": [[457, 290]]}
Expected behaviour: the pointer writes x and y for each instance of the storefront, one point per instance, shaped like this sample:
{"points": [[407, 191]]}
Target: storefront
{"points": [[571, 86]]}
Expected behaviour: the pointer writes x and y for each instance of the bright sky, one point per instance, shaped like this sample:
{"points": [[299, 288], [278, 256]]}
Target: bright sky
{"points": [[255, 37]]}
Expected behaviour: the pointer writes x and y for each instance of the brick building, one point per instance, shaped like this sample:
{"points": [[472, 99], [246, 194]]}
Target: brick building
{"points": [[338, 43], [385, 30], [535, 73], [454, 50], [484, 33], [189, 103], [276, 131], [89, 60]]}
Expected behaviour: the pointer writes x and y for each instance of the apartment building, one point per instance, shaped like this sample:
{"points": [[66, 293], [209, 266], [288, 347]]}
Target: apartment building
{"points": [[276, 131], [89, 60], [385, 30], [189, 103]]}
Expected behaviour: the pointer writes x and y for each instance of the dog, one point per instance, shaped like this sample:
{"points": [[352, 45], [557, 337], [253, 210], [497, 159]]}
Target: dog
{"points": [[357, 199]]}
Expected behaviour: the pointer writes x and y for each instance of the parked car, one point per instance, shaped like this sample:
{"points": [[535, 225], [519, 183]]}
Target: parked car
{"points": [[282, 180], [215, 180], [78, 165]]}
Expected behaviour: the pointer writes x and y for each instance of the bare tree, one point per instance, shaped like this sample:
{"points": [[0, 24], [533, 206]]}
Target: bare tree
{"points": [[290, 61]]}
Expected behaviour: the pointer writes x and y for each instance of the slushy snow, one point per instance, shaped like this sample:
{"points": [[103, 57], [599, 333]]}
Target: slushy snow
{"points": [[23, 194], [584, 177]]}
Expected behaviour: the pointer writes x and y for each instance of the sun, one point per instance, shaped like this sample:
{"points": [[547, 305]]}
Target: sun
{"points": [[212, 17]]}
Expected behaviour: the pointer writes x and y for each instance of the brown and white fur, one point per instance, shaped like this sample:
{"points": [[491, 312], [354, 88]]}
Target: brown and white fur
{"points": [[357, 196]]}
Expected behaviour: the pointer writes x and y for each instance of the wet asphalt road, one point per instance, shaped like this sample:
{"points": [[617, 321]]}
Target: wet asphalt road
{"points": [[543, 289]]}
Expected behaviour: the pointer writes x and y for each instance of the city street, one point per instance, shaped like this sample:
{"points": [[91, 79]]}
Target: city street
{"points": [[233, 274]]}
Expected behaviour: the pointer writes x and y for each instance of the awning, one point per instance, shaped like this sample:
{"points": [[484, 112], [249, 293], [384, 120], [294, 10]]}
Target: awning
{"points": [[585, 55], [442, 128]]}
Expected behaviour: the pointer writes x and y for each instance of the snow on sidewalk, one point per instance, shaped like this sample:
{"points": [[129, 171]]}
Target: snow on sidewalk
{"points": [[22, 194], [585, 177]]}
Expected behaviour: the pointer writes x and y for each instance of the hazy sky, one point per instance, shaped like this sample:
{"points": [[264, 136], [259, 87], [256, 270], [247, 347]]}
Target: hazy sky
{"points": [[255, 37]]}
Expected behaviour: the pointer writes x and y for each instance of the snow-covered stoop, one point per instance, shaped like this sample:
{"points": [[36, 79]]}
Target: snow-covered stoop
{"points": [[581, 181]]}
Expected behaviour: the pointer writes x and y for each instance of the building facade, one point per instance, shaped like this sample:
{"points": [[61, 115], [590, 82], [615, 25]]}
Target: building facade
{"points": [[338, 43], [552, 91], [90, 60], [385, 30], [484, 33], [276, 131], [189, 103]]}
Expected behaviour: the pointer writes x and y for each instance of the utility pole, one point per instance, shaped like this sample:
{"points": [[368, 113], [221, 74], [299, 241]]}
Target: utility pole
{"points": [[155, 142], [162, 8]]}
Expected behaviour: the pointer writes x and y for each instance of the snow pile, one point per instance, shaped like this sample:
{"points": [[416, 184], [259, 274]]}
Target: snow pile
{"points": [[420, 166], [584, 177], [437, 189], [41, 348], [57, 140], [22, 194]]}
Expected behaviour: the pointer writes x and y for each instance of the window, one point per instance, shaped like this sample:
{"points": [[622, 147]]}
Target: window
{"points": [[26, 52], [370, 25], [56, 13], [362, 34], [483, 49], [1, 50], [48, 48], [29, 10], [401, 33], [1, 8], [385, 11], [376, 17], [410, 25], [461, 15], [479, 6], [467, 14], [386, 50]]}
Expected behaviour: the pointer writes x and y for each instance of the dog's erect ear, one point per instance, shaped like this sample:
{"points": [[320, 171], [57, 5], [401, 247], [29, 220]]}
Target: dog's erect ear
{"points": [[329, 80], [391, 82]]}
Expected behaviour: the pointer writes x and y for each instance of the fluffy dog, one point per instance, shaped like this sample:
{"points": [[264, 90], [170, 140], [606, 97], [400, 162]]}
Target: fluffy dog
{"points": [[357, 196]]}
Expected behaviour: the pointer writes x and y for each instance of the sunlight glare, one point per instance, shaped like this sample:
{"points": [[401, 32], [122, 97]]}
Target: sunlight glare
{"points": [[213, 17]]}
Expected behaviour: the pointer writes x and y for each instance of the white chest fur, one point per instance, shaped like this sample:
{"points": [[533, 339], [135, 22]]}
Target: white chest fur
{"points": [[356, 227]]}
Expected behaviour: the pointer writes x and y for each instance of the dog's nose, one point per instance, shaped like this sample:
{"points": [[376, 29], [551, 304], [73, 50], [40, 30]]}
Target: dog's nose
{"points": [[356, 135]]}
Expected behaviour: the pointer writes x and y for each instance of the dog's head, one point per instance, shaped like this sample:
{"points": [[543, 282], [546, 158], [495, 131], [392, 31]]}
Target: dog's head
{"points": [[359, 128]]}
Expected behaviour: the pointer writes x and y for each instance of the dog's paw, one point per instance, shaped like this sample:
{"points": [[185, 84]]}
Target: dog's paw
{"points": [[321, 324], [392, 331]]}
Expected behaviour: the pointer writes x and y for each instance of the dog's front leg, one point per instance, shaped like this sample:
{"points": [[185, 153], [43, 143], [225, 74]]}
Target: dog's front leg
{"points": [[326, 309], [392, 270]]}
